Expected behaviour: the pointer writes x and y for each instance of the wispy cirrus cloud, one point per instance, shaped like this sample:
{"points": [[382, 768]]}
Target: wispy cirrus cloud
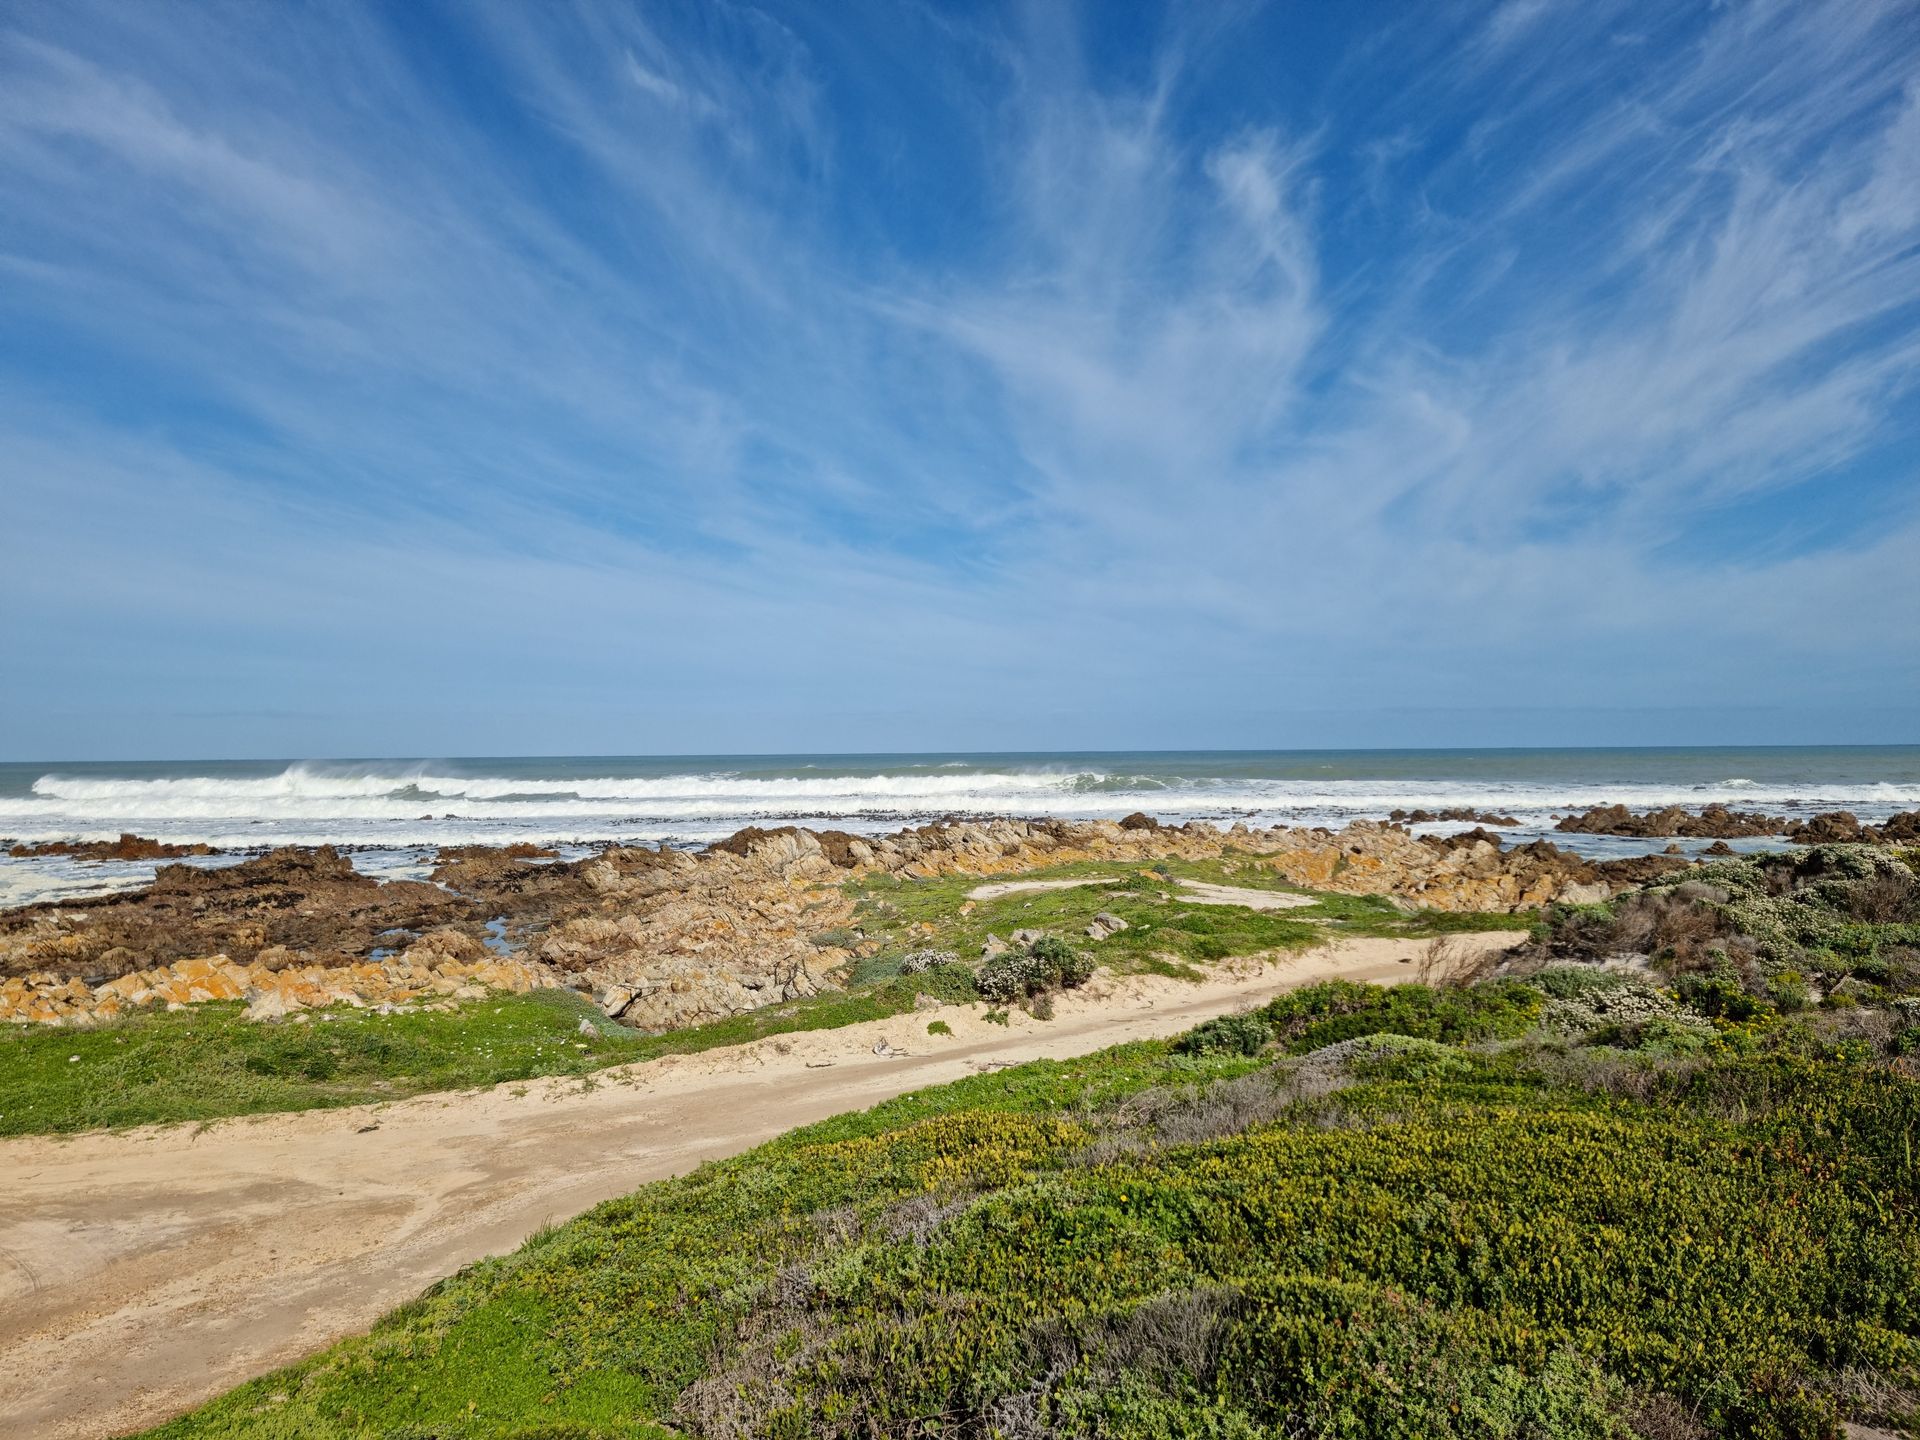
{"points": [[687, 364]]}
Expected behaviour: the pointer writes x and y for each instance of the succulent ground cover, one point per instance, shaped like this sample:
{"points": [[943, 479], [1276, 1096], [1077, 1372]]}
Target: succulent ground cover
{"points": [[1427, 1210]]}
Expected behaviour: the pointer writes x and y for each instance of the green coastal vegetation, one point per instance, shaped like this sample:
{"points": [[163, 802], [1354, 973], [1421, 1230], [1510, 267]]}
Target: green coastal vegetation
{"points": [[1657, 1179], [1167, 929], [206, 1063]]}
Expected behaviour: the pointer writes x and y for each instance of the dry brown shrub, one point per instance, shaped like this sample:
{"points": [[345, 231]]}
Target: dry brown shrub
{"points": [[1601, 1071], [1873, 1397], [1156, 1119], [1887, 897], [1450, 961], [1660, 1416]]}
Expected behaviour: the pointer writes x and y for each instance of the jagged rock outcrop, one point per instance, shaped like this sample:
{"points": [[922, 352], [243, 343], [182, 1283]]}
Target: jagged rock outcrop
{"points": [[127, 847], [665, 938], [1842, 827], [679, 939], [1453, 872], [1717, 822], [1713, 822], [440, 969], [1459, 872], [1458, 815], [298, 898]]}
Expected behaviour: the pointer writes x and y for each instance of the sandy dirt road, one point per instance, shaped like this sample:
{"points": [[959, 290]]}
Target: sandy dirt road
{"points": [[145, 1271]]}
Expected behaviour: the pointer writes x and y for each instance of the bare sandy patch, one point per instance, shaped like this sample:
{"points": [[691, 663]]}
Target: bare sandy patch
{"points": [[146, 1271], [1018, 887], [1202, 893]]}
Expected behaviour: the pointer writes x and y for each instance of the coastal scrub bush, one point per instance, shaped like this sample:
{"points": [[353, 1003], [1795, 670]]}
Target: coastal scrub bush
{"points": [[1719, 994], [1048, 964], [949, 982], [1228, 1034], [871, 970], [1753, 937], [1575, 982], [918, 962], [1406, 1057], [1584, 1001], [939, 1027], [1318, 1015]]}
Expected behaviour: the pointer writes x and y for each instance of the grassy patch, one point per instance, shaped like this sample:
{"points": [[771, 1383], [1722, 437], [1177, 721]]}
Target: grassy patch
{"points": [[206, 1063], [1144, 1242], [1167, 932]]}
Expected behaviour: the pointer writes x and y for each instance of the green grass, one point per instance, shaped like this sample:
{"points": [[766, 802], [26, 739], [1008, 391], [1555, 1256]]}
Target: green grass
{"points": [[206, 1063], [1146, 1243], [1167, 932]]}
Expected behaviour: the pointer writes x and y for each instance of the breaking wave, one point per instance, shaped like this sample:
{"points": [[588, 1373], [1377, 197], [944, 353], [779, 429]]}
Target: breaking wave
{"points": [[427, 803]]}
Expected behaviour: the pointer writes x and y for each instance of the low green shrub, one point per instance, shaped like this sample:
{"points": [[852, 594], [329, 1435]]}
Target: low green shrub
{"points": [[1406, 1057], [1720, 995], [1229, 1034], [1578, 982], [871, 970], [1318, 1015], [949, 982], [1048, 964]]}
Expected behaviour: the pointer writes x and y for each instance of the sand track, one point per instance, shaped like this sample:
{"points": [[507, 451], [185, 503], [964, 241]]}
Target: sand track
{"points": [[145, 1271]]}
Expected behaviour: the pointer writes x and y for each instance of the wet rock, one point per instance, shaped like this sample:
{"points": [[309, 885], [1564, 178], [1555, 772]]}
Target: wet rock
{"points": [[127, 847], [298, 899], [1457, 815], [1831, 828], [518, 850], [1902, 829], [1712, 822]]}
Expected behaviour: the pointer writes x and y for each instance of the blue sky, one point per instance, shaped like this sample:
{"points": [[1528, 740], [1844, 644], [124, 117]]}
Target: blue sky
{"points": [[629, 378]]}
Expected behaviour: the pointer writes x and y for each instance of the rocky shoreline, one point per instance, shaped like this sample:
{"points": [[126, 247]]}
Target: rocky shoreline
{"points": [[663, 938], [1718, 822]]}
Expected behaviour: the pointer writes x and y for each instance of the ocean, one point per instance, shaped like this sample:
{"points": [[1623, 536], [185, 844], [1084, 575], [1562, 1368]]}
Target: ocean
{"points": [[393, 813]]}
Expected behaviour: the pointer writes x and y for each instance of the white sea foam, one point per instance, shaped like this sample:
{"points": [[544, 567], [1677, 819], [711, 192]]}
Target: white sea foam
{"points": [[424, 804]]}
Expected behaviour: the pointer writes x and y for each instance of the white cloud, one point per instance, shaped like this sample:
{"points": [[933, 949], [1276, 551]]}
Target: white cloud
{"points": [[1178, 412]]}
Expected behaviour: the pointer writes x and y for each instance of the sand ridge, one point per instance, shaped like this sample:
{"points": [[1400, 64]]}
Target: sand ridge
{"points": [[144, 1271]]}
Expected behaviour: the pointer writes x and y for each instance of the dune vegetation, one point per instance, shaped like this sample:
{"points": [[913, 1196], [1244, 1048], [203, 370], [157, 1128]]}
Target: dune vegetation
{"points": [[1668, 1191]]}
